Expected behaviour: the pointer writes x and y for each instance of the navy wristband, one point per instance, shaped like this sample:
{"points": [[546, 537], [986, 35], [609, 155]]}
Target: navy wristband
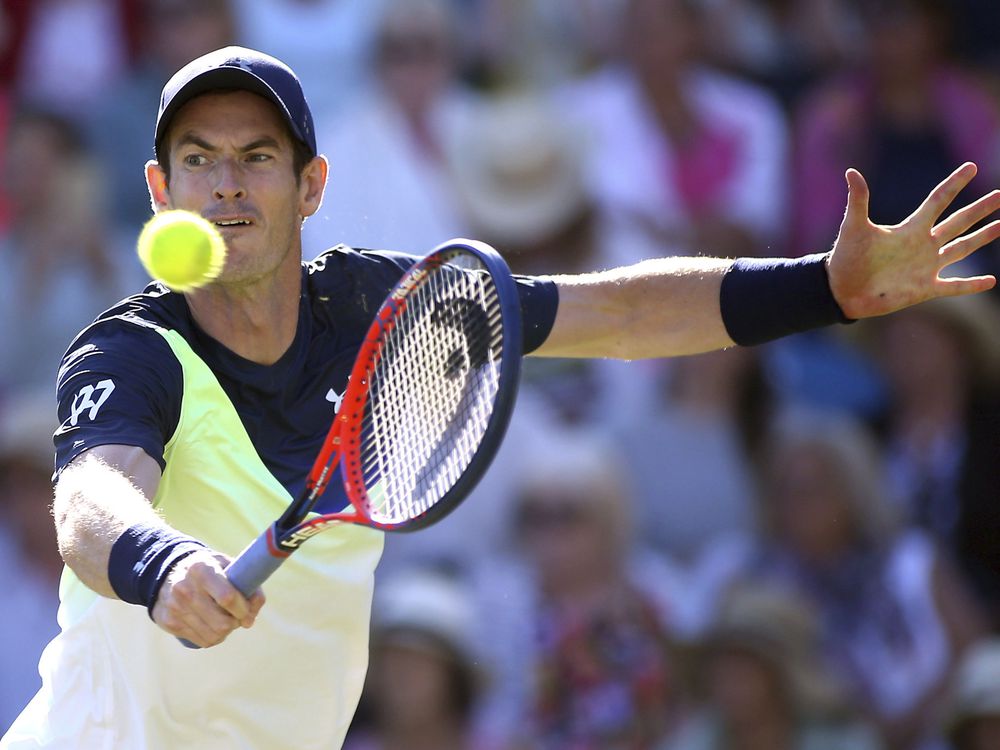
{"points": [[763, 299], [142, 557]]}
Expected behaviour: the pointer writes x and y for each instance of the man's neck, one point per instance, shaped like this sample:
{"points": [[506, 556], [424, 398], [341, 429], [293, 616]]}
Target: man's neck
{"points": [[256, 321]]}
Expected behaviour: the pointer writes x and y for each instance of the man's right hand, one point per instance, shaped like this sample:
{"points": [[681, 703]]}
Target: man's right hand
{"points": [[199, 604]]}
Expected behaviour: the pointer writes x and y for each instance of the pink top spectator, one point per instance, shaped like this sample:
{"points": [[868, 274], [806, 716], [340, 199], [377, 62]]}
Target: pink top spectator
{"points": [[833, 132]]}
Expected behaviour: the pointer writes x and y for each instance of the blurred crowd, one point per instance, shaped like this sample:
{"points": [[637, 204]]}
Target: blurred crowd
{"points": [[792, 547]]}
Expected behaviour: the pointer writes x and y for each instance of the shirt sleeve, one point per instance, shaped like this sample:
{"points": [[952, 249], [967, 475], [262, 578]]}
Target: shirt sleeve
{"points": [[119, 384], [539, 296]]}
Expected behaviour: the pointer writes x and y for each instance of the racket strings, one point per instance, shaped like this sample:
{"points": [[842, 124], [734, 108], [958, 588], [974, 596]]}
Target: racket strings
{"points": [[431, 392]]}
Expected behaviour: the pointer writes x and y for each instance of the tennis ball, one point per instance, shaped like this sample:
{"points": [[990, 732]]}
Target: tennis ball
{"points": [[181, 249]]}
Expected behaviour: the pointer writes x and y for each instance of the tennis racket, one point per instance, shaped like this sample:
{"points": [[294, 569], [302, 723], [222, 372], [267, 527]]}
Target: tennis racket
{"points": [[426, 406]]}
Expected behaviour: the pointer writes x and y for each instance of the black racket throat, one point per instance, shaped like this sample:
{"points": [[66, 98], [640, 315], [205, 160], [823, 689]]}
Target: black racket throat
{"points": [[301, 506]]}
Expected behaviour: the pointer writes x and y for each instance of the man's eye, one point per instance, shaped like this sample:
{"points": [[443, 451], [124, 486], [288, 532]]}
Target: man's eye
{"points": [[194, 160], [259, 157]]}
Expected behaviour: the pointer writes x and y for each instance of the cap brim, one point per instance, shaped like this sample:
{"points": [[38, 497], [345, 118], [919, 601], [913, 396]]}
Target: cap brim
{"points": [[227, 77]]}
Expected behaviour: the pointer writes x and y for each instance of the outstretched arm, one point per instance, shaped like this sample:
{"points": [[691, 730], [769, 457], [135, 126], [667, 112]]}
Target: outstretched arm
{"points": [[657, 308], [671, 306]]}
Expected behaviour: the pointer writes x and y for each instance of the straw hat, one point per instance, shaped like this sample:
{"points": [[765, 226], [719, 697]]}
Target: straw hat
{"points": [[519, 172]]}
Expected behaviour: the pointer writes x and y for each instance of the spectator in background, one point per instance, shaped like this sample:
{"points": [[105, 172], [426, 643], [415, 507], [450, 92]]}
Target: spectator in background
{"points": [[581, 625], [692, 451], [390, 180], [519, 176], [326, 42], [29, 560], [765, 684], [902, 118], [542, 44], [682, 158], [942, 429], [972, 721], [424, 680], [895, 616], [786, 45], [58, 271], [174, 32], [70, 54]]}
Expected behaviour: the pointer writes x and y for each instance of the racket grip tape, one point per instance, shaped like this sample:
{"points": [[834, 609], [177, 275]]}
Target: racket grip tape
{"points": [[255, 564], [250, 569]]}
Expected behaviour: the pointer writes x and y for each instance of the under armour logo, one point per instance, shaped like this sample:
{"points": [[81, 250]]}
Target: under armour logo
{"points": [[335, 398]]}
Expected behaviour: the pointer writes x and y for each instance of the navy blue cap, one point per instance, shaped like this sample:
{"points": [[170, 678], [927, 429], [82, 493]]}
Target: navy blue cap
{"points": [[238, 68]]}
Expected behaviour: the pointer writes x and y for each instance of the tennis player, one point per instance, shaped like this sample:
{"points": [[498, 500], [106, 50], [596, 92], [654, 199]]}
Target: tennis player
{"points": [[189, 420]]}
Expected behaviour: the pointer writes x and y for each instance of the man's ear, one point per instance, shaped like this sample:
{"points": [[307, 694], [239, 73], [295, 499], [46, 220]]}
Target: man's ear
{"points": [[156, 181], [312, 184]]}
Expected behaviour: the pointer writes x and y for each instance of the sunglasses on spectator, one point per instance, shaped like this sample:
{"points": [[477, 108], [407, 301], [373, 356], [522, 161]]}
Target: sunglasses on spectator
{"points": [[551, 514]]}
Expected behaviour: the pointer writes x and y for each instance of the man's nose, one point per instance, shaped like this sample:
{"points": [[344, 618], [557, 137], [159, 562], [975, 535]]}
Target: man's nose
{"points": [[229, 181]]}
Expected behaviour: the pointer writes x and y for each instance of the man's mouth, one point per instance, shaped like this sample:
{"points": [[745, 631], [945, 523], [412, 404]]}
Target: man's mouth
{"points": [[232, 222]]}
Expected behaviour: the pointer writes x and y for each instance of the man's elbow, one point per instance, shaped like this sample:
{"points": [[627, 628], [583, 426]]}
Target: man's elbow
{"points": [[65, 516]]}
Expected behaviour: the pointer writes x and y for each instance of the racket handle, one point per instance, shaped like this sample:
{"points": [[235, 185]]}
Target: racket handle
{"points": [[250, 569], [255, 564]]}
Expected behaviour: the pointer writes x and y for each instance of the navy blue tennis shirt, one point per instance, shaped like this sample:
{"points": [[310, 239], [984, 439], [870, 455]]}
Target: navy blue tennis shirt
{"points": [[120, 383]]}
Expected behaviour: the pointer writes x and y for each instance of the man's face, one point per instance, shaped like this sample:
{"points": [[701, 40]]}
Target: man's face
{"points": [[231, 160]]}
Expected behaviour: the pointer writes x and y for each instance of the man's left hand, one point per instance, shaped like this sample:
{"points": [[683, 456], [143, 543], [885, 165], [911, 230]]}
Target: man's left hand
{"points": [[875, 269]]}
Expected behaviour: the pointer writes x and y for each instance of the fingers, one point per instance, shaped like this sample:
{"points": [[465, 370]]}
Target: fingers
{"points": [[964, 219], [962, 248], [942, 196], [232, 600], [969, 285], [857, 197], [189, 613], [198, 603], [257, 601]]}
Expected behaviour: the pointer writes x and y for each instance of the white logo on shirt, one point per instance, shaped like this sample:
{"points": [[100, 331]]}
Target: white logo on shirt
{"points": [[335, 398], [84, 400]]}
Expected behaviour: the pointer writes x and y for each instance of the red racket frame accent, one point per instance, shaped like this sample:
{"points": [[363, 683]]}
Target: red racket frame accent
{"points": [[338, 449], [343, 442]]}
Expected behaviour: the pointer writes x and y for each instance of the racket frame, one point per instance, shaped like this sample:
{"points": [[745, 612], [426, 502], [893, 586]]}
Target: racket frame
{"points": [[340, 447]]}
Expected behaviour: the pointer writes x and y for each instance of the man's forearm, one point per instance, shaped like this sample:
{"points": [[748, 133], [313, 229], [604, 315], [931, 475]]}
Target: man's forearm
{"points": [[95, 503], [656, 308]]}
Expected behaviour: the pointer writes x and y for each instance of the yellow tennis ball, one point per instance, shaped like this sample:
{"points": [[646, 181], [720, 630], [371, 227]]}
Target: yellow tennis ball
{"points": [[181, 249]]}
